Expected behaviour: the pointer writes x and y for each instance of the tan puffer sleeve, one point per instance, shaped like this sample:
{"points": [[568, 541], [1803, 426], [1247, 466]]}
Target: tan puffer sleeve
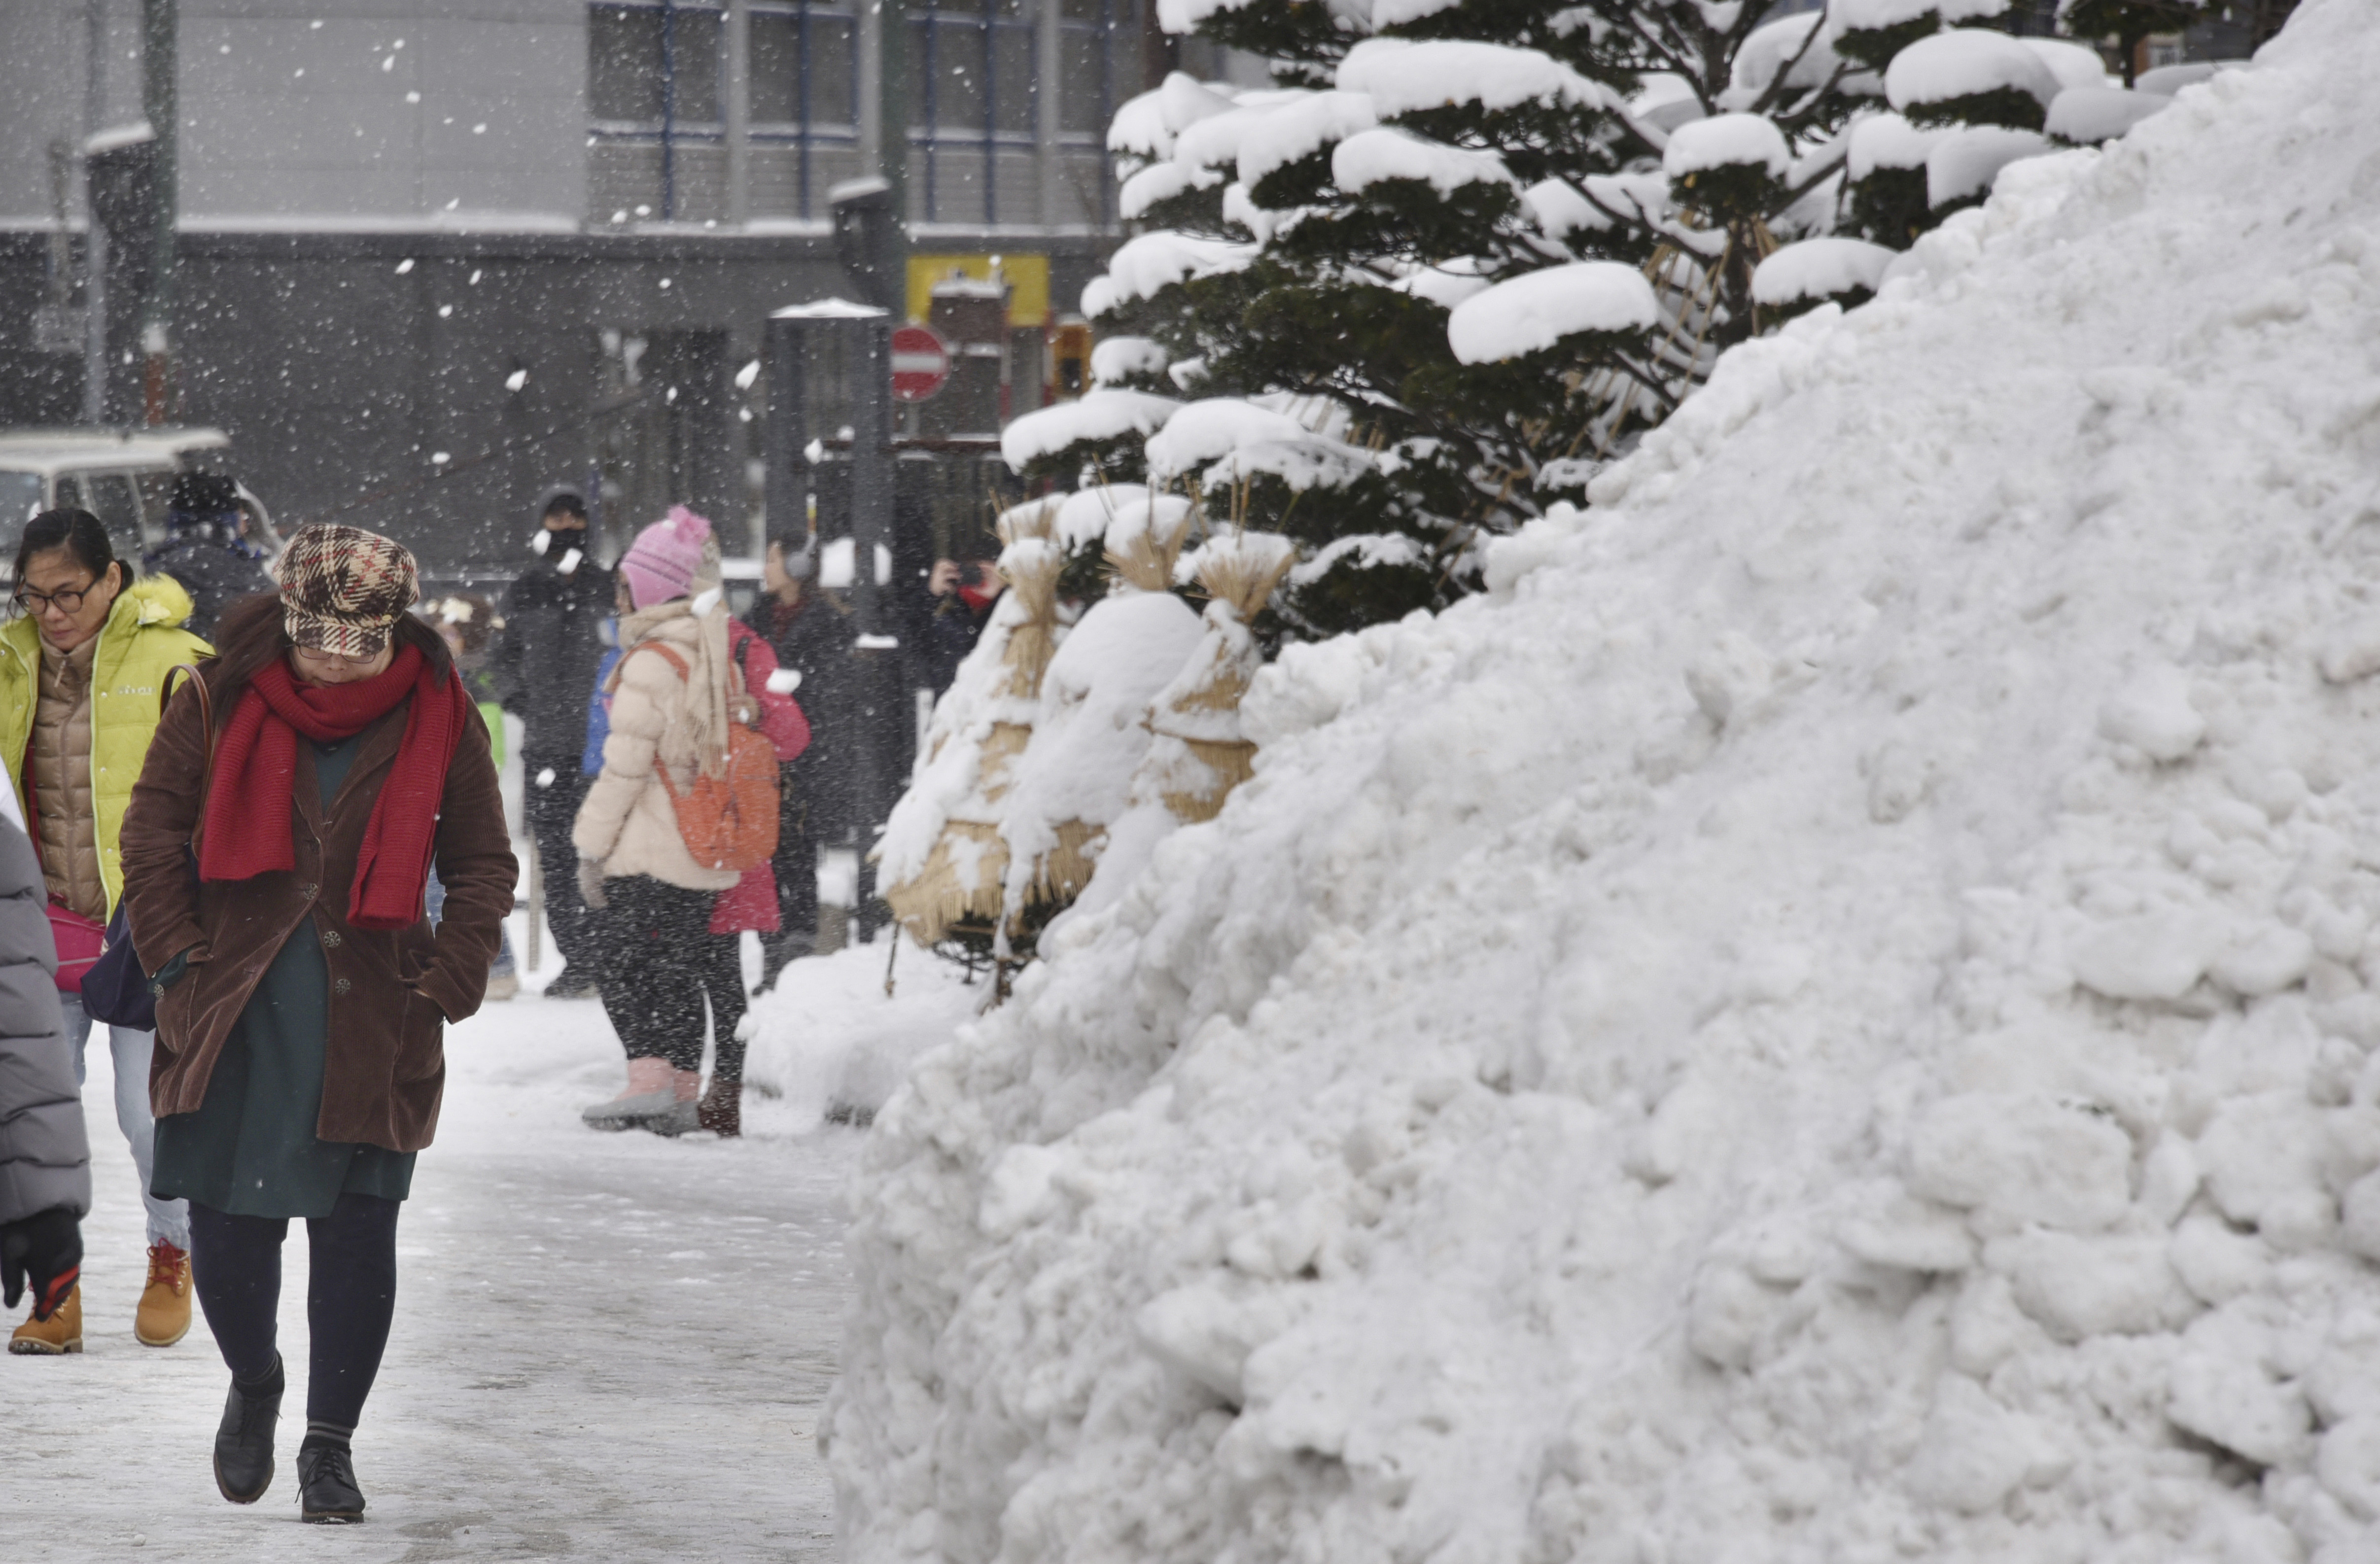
{"points": [[640, 713]]}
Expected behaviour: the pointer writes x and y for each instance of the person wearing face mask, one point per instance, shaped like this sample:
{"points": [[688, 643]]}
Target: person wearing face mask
{"points": [[810, 630], [81, 662], [544, 665], [302, 994]]}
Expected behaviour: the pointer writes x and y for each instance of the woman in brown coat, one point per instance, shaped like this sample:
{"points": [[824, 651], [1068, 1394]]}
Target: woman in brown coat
{"points": [[302, 995]]}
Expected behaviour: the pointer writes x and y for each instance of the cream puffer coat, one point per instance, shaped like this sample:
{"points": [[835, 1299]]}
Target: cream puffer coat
{"points": [[628, 824]]}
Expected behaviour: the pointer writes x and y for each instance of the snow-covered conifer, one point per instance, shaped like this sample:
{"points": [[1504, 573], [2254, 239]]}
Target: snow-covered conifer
{"points": [[1461, 253]]}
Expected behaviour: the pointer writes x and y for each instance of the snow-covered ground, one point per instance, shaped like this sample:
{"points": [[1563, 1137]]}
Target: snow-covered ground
{"points": [[1832, 1017], [606, 1346]]}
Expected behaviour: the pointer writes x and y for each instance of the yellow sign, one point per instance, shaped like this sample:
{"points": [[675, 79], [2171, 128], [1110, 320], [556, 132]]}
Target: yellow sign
{"points": [[1028, 277]]}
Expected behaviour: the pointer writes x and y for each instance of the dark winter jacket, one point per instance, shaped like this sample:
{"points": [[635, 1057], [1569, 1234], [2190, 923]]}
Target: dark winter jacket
{"points": [[212, 570], [391, 990], [814, 638], [45, 1157], [944, 631], [545, 664]]}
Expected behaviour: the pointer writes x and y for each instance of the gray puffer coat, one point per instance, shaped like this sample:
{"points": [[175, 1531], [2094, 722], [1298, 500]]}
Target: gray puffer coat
{"points": [[44, 1154]]}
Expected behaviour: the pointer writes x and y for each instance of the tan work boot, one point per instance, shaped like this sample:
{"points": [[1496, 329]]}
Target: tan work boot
{"points": [[164, 1316], [62, 1332]]}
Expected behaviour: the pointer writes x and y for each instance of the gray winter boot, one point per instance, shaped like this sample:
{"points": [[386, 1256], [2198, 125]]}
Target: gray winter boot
{"points": [[652, 1087]]}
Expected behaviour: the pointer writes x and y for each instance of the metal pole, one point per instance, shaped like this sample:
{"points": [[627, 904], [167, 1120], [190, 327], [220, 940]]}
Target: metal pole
{"points": [[535, 899], [871, 464], [876, 658], [95, 336], [785, 488], [159, 45]]}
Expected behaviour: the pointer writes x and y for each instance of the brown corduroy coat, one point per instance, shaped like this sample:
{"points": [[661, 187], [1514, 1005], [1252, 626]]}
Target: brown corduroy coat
{"points": [[392, 992]]}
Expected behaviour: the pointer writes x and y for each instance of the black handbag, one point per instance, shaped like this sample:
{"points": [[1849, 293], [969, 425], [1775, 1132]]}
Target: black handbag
{"points": [[116, 991]]}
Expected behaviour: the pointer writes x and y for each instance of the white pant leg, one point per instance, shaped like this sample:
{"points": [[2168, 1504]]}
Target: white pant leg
{"points": [[169, 1220], [78, 1029]]}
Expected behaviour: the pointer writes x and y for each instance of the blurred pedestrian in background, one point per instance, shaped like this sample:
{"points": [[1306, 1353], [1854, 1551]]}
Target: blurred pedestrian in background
{"points": [[544, 666], [81, 662], [810, 631], [756, 905], [44, 1154], [958, 604], [302, 999], [206, 548], [468, 622], [674, 693]]}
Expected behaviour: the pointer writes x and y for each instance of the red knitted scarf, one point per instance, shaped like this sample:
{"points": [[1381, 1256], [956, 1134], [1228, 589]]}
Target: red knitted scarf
{"points": [[256, 770]]}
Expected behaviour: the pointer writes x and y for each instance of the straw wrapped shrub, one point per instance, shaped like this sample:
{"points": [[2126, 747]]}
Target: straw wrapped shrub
{"points": [[943, 862], [1089, 739], [1198, 754]]}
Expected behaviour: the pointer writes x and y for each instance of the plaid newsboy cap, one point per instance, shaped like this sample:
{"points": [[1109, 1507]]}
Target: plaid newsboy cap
{"points": [[342, 589]]}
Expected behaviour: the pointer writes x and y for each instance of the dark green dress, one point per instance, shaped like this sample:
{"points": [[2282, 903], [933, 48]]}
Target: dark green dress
{"points": [[250, 1150]]}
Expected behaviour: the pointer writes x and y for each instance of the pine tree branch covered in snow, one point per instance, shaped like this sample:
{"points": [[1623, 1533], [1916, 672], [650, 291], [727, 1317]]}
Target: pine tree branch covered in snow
{"points": [[1463, 253]]}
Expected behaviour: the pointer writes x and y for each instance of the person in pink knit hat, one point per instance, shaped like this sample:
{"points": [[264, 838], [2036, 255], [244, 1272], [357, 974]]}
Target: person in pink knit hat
{"points": [[669, 952]]}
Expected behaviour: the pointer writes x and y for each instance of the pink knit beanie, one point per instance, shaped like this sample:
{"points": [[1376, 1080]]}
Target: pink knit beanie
{"points": [[666, 558]]}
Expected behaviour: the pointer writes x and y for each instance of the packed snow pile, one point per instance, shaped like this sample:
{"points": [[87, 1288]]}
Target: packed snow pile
{"points": [[1830, 1016], [830, 1043]]}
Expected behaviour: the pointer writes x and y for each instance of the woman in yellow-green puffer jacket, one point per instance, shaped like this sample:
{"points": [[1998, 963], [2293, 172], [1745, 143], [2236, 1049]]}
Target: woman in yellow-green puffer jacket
{"points": [[82, 661]]}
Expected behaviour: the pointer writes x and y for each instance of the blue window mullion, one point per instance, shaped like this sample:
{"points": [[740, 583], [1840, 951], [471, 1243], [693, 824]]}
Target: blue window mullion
{"points": [[802, 106], [1106, 113], [668, 110], [933, 112]]}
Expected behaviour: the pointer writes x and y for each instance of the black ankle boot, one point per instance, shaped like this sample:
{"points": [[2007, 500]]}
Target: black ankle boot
{"points": [[244, 1440], [326, 1482]]}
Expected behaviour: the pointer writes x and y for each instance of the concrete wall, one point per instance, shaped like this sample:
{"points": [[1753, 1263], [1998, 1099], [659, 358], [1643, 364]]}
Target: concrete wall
{"points": [[344, 380], [44, 68], [444, 111], [313, 112]]}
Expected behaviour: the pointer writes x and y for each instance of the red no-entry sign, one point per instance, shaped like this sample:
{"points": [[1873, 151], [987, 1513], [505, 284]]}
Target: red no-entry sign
{"points": [[920, 363]]}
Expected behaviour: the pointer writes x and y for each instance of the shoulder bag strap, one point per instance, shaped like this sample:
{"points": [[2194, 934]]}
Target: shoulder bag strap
{"points": [[207, 721]]}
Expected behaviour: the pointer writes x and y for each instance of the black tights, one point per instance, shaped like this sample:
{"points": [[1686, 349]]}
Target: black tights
{"points": [[663, 960], [350, 1296]]}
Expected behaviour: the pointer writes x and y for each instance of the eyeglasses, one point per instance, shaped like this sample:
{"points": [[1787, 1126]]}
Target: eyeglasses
{"points": [[334, 659], [69, 601]]}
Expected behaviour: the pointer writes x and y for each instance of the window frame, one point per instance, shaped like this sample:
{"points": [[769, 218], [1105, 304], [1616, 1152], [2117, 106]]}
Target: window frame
{"points": [[806, 132], [670, 131], [1104, 27], [985, 140], [1114, 16]]}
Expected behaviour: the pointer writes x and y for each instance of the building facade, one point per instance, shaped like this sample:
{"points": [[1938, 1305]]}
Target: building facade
{"points": [[433, 254]]}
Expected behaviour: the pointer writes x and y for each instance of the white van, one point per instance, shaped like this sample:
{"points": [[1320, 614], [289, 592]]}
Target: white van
{"points": [[120, 476]]}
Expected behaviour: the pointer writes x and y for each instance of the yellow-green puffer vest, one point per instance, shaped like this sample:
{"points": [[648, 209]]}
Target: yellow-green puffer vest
{"points": [[141, 640]]}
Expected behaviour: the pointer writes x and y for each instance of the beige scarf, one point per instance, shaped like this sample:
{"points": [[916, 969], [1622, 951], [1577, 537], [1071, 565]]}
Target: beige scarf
{"points": [[694, 736]]}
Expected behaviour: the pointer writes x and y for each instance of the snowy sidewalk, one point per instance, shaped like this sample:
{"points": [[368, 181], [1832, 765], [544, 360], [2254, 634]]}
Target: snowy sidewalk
{"points": [[606, 1346]]}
